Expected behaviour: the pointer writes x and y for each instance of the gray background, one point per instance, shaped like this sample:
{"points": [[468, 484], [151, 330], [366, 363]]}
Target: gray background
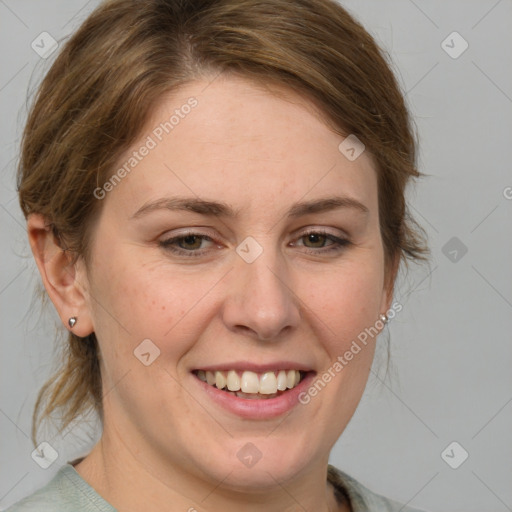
{"points": [[450, 346]]}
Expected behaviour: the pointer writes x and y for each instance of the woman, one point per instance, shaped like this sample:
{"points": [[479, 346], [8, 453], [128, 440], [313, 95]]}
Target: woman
{"points": [[214, 194]]}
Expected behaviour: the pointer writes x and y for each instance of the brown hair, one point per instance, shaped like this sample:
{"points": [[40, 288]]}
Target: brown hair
{"points": [[101, 88]]}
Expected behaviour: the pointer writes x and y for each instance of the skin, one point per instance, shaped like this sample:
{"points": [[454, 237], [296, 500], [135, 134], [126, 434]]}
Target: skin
{"points": [[164, 441]]}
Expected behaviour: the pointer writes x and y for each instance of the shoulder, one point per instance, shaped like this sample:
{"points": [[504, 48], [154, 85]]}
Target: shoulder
{"points": [[361, 498], [66, 492]]}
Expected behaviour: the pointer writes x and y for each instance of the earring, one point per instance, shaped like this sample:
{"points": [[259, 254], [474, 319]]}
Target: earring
{"points": [[384, 318], [72, 321]]}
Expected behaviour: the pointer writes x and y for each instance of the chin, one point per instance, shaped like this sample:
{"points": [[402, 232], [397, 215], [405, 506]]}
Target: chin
{"points": [[258, 464]]}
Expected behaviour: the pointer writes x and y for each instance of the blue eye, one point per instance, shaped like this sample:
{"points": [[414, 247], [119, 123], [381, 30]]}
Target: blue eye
{"points": [[190, 244]]}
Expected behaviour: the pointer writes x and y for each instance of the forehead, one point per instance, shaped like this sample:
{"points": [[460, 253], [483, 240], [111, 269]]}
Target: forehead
{"points": [[235, 139]]}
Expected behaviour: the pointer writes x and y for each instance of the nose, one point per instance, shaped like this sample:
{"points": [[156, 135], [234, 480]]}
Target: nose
{"points": [[260, 298]]}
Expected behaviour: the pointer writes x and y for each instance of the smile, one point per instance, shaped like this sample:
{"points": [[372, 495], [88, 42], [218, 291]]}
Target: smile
{"points": [[254, 391], [251, 385]]}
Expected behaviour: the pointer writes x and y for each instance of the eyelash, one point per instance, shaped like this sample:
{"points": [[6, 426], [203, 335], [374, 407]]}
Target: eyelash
{"points": [[338, 245]]}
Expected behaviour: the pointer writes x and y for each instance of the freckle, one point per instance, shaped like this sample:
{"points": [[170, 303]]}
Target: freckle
{"points": [[163, 307]]}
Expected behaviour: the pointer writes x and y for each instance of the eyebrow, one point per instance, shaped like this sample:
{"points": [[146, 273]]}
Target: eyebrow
{"points": [[221, 209]]}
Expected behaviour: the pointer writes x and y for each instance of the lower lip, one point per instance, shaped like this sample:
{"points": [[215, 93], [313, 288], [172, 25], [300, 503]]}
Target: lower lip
{"points": [[257, 409]]}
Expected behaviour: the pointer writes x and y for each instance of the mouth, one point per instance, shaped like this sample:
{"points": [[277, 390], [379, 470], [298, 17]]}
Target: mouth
{"points": [[252, 385]]}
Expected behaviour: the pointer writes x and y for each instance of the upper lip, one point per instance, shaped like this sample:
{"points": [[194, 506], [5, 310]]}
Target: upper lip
{"points": [[256, 368]]}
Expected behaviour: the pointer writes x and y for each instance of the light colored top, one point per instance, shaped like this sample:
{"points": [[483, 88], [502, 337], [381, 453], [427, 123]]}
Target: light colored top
{"points": [[69, 492]]}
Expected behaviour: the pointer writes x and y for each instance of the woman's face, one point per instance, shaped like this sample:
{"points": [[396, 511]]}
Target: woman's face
{"points": [[201, 260]]}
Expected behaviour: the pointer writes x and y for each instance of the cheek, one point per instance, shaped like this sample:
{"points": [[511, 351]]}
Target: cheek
{"points": [[347, 301], [142, 301], [137, 306]]}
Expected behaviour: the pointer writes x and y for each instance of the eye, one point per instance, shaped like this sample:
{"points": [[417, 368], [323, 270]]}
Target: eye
{"points": [[187, 244], [191, 241], [318, 238]]}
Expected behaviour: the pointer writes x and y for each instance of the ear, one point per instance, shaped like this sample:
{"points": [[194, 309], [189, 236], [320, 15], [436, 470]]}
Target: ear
{"points": [[389, 282], [65, 282]]}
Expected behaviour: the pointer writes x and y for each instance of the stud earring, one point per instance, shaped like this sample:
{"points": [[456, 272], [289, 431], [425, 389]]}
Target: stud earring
{"points": [[384, 318], [72, 321]]}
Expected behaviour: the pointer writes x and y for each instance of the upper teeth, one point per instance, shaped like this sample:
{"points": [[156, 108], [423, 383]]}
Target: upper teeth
{"points": [[250, 382]]}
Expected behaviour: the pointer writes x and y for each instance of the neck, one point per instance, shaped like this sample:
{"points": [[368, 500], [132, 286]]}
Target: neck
{"points": [[131, 480]]}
